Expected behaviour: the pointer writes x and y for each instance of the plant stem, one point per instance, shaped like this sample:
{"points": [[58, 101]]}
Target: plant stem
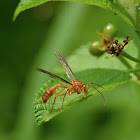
{"points": [[124, 62], [128, 66], [123, 53], [134, 70]]}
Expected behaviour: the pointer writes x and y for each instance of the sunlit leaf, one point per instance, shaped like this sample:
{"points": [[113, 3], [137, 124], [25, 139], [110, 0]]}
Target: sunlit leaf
{"points": [[113, 5], [107, 78]]}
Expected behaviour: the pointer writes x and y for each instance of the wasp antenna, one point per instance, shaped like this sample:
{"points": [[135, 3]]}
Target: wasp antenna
{"points": [[37, 68], [101, 95], [97, 85], [52, 75], [41, 70]]}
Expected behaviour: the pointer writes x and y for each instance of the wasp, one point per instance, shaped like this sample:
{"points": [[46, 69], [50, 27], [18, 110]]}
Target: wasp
{"points": [[74, 86]]}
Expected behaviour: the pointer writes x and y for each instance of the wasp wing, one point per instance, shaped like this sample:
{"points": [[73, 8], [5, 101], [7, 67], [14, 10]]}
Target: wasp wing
{"points": [[66, 66], [52, 75]]}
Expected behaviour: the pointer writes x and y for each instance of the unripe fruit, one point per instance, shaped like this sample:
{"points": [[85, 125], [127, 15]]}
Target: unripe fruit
{"points": [[95, 48], [110, 31]]}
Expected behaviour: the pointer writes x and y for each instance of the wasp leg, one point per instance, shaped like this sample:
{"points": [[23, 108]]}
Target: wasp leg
{"points": [[63, 101], [57, 96], [82, 92]]}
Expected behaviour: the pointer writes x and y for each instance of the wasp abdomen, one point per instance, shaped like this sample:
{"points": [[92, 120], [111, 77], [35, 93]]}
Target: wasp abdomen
{"points": [[50, 91]]}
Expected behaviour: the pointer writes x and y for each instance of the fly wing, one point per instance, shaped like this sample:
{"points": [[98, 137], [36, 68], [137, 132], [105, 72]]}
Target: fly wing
{"points": [[66, 66], [52, 75]]}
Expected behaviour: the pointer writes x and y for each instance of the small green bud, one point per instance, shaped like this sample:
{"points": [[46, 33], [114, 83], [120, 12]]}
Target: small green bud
{"points": [[96, 48], [110, 30]]}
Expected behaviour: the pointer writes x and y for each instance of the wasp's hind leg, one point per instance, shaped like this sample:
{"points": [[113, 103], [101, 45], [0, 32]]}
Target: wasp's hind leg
{"points": [[58, 96]]}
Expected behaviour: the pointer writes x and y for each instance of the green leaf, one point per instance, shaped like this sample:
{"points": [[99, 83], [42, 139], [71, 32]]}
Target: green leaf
{"points": [[107, 78], [113, 5]]}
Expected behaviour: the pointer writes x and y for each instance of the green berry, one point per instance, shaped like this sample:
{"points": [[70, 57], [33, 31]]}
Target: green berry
{"points": [[95, 48], [110, 31]]}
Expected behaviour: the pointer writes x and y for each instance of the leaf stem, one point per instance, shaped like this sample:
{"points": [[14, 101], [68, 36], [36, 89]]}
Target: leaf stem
{"points": [[123, 53], [124, 62], [128, 66], [134, 70]]}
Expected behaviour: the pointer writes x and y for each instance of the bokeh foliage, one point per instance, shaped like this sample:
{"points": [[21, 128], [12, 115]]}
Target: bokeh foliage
{"points": [[31, 41]]}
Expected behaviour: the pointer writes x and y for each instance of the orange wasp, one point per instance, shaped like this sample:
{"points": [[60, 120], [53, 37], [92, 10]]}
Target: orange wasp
{"points": [[74, 86]]}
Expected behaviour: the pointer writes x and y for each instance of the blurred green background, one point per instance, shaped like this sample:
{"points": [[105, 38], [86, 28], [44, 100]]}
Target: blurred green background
{"points": [[30, 41]]}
